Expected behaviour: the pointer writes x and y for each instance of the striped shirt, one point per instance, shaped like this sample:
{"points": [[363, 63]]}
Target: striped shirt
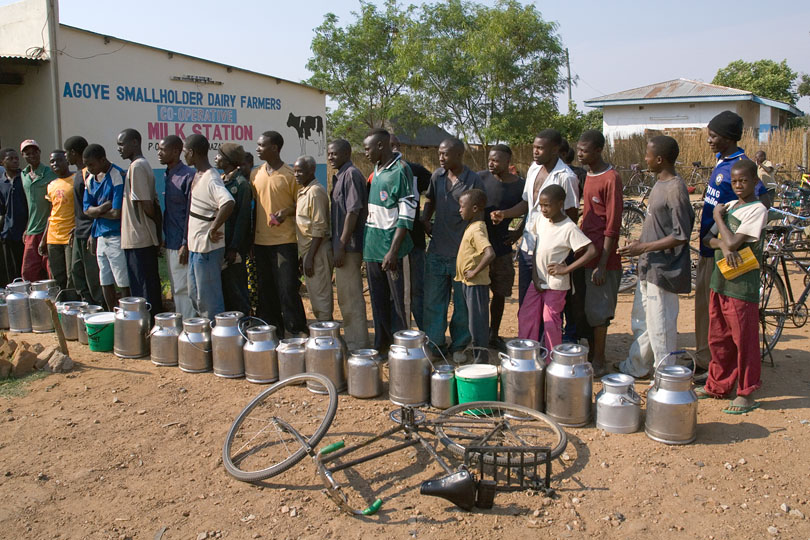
{"points": [[391, 206]]}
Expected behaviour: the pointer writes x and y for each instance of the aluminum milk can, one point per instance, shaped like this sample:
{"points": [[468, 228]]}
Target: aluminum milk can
{"points": [[81, 328], [131, 327], [330, 329], [41, 292], [672, 406], [261, 359], [443, 391], [19, 314], [324, 355], [226, 345], [569, 385], [69, 318], [618, 406], [364, 374], [194, 346], [291, 355], [409, 369], [523, 373], [163, 339], [3, 310]]}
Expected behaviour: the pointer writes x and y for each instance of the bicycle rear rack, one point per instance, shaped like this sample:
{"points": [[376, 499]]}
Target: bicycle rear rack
{"points": [[511, 468]]}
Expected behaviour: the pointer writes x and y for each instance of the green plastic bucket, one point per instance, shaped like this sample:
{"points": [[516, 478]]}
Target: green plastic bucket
{"points": [[477, 382], [100, 331]]}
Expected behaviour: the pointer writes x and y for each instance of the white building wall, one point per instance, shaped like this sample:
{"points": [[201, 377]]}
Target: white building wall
{"points": [[106, 87], [623, 121], [22, 28]]}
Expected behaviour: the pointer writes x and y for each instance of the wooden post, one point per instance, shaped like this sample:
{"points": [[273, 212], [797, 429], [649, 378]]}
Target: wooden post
{"points": [[57, 325]]}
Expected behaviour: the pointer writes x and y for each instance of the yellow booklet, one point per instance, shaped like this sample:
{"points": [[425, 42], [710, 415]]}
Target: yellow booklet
{"points": [[749, 262]]}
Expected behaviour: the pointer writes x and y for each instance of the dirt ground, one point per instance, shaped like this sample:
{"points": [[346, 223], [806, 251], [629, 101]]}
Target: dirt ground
{"points": [[123, 449]]}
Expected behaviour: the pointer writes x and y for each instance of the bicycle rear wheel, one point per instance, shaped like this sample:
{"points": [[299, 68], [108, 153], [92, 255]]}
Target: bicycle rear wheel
{"points": [[259, 445], [494, 423], [773, 308]]}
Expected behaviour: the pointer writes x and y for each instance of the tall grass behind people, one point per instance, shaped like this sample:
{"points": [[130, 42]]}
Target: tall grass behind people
{"points": [[313, 234], [664, 266], [602, 205], [55, 243], [475, 254], [555, 237], [734, 302], [725, 130]]}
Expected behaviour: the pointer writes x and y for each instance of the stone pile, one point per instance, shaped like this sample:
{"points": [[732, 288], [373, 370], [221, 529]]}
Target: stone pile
{"points": [[19, 358]]}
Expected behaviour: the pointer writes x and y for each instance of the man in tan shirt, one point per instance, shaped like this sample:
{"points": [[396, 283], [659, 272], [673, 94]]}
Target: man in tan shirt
{"points": [[312, 229], [275, 192]]}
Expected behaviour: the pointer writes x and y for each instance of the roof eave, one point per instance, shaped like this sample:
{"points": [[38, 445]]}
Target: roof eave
{"points": [[655, 101], [278, 79]]}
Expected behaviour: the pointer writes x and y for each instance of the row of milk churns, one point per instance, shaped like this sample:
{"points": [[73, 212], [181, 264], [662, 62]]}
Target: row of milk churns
{"points": [[24, 308]]}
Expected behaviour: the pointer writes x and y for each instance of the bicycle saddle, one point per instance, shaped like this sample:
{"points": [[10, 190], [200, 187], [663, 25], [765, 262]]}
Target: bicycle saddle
{"points": [[777, 229], [458, 488], [696, 163]]}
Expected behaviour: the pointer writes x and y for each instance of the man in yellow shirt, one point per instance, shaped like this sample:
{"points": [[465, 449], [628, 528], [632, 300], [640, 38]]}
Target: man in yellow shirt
{"points": [[56, 240], [275, 193]]}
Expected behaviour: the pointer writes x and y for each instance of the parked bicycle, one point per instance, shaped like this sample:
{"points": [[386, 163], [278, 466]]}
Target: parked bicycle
{"points": [[504, 447], [697, 178], [777, 303], [639, 181]]}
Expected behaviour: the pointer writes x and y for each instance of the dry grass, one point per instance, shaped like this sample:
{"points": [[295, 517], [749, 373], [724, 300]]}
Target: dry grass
{"points": [[785, 146]]}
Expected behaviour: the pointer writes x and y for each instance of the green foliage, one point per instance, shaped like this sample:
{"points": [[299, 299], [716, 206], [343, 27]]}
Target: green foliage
{"points": [[363, 66], [572, 124], [490, 73], [765, 78], [803, 88]]}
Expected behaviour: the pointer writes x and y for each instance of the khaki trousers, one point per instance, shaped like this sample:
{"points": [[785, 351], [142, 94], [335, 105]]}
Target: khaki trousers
{"points": [[349, 283], [319, 286], [704, 276]]}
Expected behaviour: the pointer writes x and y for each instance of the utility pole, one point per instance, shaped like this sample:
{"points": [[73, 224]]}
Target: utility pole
{"points": [[568, 67]]}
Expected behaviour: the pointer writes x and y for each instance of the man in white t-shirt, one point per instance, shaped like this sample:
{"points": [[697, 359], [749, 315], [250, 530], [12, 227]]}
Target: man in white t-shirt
{"points": [[210, 205], [141, 222], [548, 169]]}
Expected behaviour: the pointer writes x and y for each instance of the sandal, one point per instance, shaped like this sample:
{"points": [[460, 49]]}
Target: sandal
{"points": [[741, 409], [702, 393]]}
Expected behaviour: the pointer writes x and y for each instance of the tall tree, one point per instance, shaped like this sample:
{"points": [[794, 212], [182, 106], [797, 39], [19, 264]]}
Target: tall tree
{"points": [[363, 67], [489, 73], [765, 78]]}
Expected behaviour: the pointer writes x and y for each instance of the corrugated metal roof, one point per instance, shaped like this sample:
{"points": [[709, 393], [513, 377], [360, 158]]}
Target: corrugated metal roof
{"points": [[22, 57], [677, 88]]}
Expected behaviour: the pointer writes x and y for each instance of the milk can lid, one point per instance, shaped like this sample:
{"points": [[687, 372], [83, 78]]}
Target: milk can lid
{"points": [[477, 371]]}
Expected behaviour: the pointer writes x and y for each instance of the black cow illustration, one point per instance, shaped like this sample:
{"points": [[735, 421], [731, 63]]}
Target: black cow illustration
{"points": [[308, 128]]}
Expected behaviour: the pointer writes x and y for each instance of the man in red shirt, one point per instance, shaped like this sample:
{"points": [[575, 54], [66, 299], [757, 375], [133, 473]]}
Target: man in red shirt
{"points": [[601, 220]]}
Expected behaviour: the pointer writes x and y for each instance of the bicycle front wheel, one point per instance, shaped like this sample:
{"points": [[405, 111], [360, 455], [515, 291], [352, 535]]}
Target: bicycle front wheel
{"points": [[260, 445], [773, 308], [494, 423]]}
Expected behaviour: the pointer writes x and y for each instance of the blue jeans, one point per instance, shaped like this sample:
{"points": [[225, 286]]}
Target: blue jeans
{"points": [[439, 274], [416, 259], [205, 282]]}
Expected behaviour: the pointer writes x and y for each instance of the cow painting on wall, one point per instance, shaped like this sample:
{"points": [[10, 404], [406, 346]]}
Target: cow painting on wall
{"points": [[309, 128]]}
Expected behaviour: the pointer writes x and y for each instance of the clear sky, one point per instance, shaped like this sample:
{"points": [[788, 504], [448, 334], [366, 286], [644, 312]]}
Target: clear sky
{"points": [[613, 45]]}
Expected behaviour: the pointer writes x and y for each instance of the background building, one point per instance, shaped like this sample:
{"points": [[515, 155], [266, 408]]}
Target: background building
{"points": [[57, 81], [686, 104]]}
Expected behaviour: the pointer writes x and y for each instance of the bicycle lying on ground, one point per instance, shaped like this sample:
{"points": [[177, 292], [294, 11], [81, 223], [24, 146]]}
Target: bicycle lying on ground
{"points": [[503, 446]]}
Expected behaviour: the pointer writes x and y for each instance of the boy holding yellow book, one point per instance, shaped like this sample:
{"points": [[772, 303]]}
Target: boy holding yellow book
{"points": [[734, 302]]}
